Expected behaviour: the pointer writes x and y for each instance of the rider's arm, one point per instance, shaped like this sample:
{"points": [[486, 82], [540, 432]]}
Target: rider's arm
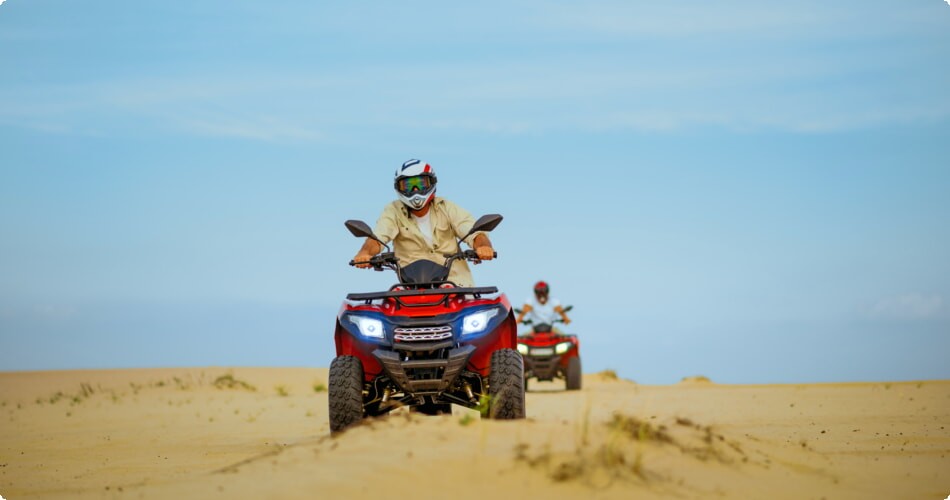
{"points": [[560, 310], [462, 221], [483, 247], [524, 312], [370, 248], [387, 227]]}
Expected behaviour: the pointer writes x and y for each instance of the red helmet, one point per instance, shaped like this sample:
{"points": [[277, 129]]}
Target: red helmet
{"points": [[541, 288]]}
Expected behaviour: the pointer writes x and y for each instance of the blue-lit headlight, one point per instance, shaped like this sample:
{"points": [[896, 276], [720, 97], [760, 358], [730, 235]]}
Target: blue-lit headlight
{"points": [[477, 322], [369, 327]]}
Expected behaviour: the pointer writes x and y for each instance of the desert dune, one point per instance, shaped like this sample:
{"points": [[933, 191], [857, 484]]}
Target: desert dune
{"points": [[263, 433]]}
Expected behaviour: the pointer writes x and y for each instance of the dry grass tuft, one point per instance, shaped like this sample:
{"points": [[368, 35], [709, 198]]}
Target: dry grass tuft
{"points": [[621, 449], [86, 391], [639, 430], [228, 381]]}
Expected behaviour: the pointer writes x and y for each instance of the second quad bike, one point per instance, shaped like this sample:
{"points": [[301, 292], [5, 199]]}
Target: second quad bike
{"points": [[549, 354], [425, 343]]}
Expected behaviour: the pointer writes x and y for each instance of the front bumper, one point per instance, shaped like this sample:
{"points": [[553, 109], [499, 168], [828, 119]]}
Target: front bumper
{"points": [[422, 377], [542, 367]]}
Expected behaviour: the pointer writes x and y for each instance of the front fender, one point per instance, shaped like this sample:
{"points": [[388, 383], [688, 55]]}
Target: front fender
{"points": [[349, 345], [504, 336]]}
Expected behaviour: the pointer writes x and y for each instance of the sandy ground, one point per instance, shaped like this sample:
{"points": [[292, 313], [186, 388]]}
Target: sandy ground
{"points": [[263, 433]]}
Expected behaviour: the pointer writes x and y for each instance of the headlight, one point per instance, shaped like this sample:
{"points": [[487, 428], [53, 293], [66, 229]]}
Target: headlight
{"points": [[369, 327], [523, 349], [562, 347], [477, 322]]}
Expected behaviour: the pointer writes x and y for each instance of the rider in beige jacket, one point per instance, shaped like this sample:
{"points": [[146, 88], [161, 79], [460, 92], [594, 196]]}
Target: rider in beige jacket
{"points": [[421, 225]]}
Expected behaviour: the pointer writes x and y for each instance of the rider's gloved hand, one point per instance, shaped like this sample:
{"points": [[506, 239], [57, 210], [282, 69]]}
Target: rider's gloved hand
{"points": [[485, 252], [362, 260]]}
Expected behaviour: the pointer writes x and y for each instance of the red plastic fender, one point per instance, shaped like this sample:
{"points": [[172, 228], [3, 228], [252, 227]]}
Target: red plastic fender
{"points": [[348, 345], [505, 336]]}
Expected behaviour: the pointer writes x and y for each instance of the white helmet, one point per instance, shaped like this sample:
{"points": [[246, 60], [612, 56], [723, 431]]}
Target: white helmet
{"points": [[415, 183]]}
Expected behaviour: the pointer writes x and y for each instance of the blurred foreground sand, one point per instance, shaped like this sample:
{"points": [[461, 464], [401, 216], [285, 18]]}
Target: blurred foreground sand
{"points": [[263, 433]]}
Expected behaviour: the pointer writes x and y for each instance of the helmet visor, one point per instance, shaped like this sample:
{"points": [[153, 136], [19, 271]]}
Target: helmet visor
{"points": [[414, 185]]}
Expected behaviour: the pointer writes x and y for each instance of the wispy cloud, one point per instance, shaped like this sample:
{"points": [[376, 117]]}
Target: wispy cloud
{"points": [[738, 19], [189, 105], [39, 311], [259, 129], [913, 306], [618, 66], [586, 95]]}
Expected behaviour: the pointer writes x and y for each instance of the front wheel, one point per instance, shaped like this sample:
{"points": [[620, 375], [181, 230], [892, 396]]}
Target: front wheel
{"points": [[346, 392], [506, 385], [574, 374]]}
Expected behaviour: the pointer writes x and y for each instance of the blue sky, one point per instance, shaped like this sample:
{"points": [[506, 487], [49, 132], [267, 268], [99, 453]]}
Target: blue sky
{"points": [[755, 192]]}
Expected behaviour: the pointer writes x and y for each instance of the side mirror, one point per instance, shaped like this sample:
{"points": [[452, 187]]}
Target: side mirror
{"points": [[568, 308], [485, 223], [360, 229]]}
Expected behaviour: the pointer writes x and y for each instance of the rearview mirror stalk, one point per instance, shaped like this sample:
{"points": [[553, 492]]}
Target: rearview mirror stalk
{"points": [[361, 229]]}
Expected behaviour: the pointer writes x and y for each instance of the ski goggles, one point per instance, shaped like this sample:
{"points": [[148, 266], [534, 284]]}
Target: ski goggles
{"points": [[416, 184]]}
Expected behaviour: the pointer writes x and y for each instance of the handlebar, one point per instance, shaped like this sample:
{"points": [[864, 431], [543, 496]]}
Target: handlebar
{"points": [[467, 255], [529, 322], [380, 261], [388, 260], [473, 255]]}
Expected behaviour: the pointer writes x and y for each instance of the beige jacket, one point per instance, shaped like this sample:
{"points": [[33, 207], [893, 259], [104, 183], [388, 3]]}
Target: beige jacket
{"points": [[449, 223]]}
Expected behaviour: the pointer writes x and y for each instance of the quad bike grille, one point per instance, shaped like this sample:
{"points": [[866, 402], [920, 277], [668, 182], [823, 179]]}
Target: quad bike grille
{"points": [[422, 334]]}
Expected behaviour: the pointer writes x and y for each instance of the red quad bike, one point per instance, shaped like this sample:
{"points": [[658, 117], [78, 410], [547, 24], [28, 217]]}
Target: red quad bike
{"points": [[549, 355], [425, 343]]}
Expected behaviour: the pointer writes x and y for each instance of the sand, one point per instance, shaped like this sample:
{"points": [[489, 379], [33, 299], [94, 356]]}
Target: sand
{"points": [[263, 433]]}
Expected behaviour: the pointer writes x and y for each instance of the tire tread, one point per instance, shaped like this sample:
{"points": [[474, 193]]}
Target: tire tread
{"points": [[506, 385], [574, 375], [345, 393]]}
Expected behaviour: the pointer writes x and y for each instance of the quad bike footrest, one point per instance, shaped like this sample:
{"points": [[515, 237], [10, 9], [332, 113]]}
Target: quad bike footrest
{"points": [[402, 373]]}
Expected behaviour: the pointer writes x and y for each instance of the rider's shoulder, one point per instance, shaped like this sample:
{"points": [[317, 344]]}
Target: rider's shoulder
{"points": [[394, 206], [448, 206], [442, 206]]}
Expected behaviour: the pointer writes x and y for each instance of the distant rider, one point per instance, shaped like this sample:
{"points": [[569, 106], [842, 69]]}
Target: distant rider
{"points": [[541, 309], [422, 225]]}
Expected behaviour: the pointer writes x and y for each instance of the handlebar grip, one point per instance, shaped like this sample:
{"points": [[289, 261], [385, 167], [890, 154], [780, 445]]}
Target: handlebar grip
{"points": [[468, 255], [473, 255]]}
